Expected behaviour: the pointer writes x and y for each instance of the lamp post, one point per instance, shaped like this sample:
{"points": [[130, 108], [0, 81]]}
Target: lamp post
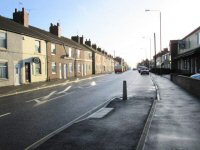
{"points": [[160, 27]]}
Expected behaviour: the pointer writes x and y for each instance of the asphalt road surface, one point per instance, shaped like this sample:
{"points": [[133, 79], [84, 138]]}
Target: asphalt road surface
{"points": [[28, 117]]}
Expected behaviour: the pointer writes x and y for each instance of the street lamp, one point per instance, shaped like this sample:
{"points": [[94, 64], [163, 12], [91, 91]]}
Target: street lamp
{"points": [[160, 27]]}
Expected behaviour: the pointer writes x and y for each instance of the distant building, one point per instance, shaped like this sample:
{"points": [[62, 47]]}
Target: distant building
{"points": [[186, 53]]}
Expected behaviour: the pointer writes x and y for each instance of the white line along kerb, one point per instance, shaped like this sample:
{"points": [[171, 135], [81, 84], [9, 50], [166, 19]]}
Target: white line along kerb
{"points": [[5, 115]]}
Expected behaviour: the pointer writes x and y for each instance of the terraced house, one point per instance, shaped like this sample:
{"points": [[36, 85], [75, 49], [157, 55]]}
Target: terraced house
{"points": [[29, 54], [101, 61], [22, 51]]}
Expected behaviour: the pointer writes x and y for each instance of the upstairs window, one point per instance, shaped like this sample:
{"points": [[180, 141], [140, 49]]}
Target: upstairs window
{"points": [[3, 40], [37, 46], [198, 38], [3, 70], [78, 53], [53, 49], [70, 52]]}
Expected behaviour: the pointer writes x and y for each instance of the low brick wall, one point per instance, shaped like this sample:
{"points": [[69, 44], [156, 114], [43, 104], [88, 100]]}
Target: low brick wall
{"points": [[189, 84]]}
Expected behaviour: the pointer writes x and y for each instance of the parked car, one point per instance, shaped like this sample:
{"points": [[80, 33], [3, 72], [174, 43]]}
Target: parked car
{"points": [[119, 69], [196, 76], [141, 68], [144, 71]]}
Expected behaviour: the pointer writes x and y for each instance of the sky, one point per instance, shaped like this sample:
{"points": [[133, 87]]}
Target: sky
{"points": [[120, 27]]}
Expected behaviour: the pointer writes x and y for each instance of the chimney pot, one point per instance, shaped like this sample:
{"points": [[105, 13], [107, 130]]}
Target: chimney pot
{"points": [[21, 17]]}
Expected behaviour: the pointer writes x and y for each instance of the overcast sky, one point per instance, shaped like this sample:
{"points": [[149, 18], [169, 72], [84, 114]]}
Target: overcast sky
{"points": [[122, 26]]}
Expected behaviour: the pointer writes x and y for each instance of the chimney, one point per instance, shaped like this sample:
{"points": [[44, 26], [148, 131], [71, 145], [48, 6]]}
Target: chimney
{"points": [[21, 17], [94, 46], [55, 29], [88, 43], [82, 40], [99, 49], [76, 38]]}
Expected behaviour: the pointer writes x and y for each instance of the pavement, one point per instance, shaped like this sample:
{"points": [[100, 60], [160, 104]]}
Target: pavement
{"points": [[120, 129], [175, 125], [13, 90]]}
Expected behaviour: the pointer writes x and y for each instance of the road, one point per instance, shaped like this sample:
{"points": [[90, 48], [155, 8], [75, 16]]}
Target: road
{"points": [[28, 117]]}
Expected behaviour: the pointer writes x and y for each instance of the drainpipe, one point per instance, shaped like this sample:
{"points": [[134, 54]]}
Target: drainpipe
{"points": [[47, 63]]}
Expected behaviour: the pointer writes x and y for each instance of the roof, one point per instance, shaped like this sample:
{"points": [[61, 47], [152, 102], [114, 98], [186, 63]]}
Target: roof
{"points": [[12, 26], [9, 25], [191, 33]]}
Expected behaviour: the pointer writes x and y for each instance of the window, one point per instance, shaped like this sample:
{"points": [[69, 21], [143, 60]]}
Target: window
{"points": [[37, 47], [53, 67], [78, 53], [198, 38], [70, 68], [53, 49], [79, 68], [70, 52], [90, 55], [3, 70], [3, 40], [38, 69]]}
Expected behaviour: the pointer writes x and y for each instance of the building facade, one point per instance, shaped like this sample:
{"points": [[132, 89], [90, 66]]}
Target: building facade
{"points": [[187, 56], [29, 54]]}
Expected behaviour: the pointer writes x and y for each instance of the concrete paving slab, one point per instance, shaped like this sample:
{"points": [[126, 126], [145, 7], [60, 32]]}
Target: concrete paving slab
{"points": [[101, 113]]}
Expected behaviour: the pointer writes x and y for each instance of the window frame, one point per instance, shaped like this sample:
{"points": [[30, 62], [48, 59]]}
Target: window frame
{"points": [[78, 53], [2, 68], [38, 50], [70, 52], [39, 72], [53, 51], [5, 40]]}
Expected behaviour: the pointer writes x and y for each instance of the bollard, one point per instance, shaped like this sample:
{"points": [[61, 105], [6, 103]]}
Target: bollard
{"points": [[124, 90]]}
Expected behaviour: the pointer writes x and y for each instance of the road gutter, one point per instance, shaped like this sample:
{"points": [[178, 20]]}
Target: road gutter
{"points": [[78, 119], [142, 140]]}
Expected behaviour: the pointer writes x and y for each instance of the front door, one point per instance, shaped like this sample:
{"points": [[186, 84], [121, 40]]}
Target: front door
{"points": [[17, 74], [27, 72]]}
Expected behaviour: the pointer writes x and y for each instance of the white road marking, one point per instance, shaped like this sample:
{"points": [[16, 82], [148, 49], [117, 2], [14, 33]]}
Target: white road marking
{"points": [[45, 101], [43, 97], [65, 90], [5, 115], [49, 95]]}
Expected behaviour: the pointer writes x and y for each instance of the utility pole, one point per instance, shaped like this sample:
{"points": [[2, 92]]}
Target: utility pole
{"points": [[155, 50]]}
